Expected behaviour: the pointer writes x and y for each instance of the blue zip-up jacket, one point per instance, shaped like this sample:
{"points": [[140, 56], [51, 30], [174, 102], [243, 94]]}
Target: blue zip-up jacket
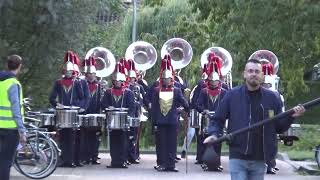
{"points": [[235, 106]]}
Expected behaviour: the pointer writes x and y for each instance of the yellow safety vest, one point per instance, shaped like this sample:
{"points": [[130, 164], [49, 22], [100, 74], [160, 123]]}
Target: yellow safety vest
{"points": [[6, 115]]}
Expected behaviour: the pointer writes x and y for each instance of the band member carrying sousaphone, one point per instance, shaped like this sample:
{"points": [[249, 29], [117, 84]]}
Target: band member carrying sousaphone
{"points": [[195, 118], [139, 96], [165, 111], [67, 92], [118, 97], [208, 101], [99, 62]]}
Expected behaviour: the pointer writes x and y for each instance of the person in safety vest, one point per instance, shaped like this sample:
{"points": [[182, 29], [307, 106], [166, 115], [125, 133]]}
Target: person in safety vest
{"points": [[11, 115]]}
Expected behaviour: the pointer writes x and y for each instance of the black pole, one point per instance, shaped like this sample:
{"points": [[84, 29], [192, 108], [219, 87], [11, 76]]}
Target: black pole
{"points": [[287, 113]]}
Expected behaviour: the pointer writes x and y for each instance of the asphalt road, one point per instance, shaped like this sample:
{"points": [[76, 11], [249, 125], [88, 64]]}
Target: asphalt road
{"points": [[145, 171]]}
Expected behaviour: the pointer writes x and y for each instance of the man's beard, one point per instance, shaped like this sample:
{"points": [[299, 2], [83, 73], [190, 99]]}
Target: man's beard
{"points": [[253, 83]]}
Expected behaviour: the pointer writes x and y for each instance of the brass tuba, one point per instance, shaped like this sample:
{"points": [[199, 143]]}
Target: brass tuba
{"points": [[105, 61], [226, 62], [143, 54], [266, 56], [179, 50]]}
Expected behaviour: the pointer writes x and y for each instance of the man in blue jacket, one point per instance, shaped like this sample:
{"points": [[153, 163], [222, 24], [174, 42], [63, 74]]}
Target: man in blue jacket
{"points": [[243, 106]]}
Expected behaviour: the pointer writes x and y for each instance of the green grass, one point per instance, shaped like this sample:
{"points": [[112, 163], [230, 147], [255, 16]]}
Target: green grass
{"points": [[303, 149]]}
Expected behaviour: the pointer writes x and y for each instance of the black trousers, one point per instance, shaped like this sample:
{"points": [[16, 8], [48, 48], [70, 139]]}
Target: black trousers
{"points": [[157, 142], [118, 147], [92, 142], [200, 146], [168, 145], [9, 140], [132, 143], [67, 143]]}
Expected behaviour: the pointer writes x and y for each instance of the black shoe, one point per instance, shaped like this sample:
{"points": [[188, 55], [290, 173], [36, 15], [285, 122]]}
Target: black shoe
{"points": [[161, 169], [277, 169], [213, 169], [70, 165], [183, 154], [203, 166], [271, 171], [134, 161], [156, 167], [86, 162], [118, 166], [127, 163], [177, 158], [172, 169], [79, 164], [95, 162]]}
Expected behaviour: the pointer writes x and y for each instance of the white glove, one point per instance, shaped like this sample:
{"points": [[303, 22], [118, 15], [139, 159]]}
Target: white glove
{"points": [[210, 139]]}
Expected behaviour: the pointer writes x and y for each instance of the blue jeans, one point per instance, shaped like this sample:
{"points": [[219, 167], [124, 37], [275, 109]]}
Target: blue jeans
{"points": [[247, 170]]}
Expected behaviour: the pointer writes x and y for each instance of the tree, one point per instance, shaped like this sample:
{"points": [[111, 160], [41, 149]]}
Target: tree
{"points": [[288, 28], [41, 32]]}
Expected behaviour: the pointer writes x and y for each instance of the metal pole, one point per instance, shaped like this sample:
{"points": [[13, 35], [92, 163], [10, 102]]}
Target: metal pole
{"points": [[134, 19]]}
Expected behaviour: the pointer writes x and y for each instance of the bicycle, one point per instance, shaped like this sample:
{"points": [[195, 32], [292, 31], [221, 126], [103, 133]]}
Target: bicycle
{"points": [[38, 157]]}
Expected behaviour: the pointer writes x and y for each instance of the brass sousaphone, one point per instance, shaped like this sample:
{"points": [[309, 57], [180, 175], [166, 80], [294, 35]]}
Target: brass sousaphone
{"points": [[143, 54], [179, 50], [105, 61]]}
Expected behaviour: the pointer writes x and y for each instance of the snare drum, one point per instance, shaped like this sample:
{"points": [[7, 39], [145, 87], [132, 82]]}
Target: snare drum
{"points": [[117, 118], [67, 118], [95, 120], [134, 121], [82, 120], [195, 118], [47, 119]]}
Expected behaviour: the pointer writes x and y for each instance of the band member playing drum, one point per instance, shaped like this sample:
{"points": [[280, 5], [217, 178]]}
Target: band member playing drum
{"points": [[67, 92], [91, 133], [80, 139], [139, 94], [208, 101], [166, 100], [118, 97]]}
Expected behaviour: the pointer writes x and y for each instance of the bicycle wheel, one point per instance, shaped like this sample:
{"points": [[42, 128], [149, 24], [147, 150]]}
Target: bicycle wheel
{"points": [[317, 155], [38, 158]]}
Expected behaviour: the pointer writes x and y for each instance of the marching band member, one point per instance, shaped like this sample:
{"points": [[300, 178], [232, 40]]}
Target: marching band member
{"points": [[81, 135], [209, 100], [93, 108], [267, 69], [118, 97], [193, 103], [166, 100], [67, 92], [139, 94]]}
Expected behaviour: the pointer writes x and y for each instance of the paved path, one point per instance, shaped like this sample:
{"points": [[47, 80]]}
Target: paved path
{"points": [[145, 171]]}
